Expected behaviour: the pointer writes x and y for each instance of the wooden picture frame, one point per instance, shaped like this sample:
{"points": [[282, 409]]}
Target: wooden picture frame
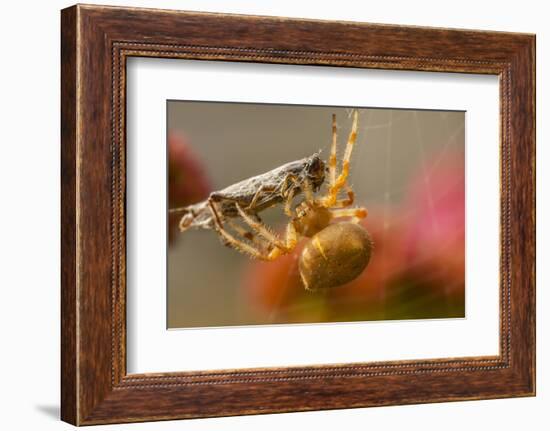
{"points": [[95, 43]]}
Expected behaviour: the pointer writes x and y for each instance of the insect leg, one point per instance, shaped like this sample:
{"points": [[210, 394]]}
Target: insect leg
{"points": [[259, 193], [288, 191], [194, 215], [186, 221], [291, 184], [308, 189], [288, 202]]}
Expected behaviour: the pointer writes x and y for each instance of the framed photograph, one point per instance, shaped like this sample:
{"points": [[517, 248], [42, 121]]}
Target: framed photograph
{"points": [[263, 214]]}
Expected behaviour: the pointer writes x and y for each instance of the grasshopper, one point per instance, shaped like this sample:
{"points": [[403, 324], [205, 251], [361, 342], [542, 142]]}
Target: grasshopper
{"points": [[254, 194]]}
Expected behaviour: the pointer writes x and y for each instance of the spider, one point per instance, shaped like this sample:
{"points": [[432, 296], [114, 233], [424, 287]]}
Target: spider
{"points": [[337, 252]]}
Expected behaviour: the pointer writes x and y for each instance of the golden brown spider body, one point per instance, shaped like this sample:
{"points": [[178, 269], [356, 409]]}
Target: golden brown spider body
{"points": [[335, 255], [311, 218]]}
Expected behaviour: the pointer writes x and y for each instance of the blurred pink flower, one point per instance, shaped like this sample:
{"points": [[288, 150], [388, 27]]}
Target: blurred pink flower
{"points": [[273, 285], [187, 180], [435, 236]]}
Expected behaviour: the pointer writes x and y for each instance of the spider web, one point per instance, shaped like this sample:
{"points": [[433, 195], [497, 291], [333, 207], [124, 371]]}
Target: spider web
{"points": [[392, 191]]}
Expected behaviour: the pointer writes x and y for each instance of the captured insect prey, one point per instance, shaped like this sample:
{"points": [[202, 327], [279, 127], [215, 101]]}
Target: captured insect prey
{"points": [[336, 252]]}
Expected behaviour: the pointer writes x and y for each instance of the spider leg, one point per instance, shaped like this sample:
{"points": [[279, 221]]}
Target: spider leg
{"points": [[246, 234], [233, 242], [261, 229], [332, 158], [291, 239], [357, 214], [340, 181], [267, 249], [346, 202]]}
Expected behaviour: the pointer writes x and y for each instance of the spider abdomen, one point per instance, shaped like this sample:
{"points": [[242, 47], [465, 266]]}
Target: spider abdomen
{"points": [[334, 256]]}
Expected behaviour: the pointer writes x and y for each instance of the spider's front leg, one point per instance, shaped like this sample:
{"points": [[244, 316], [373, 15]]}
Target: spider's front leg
{"points": [[336, 183]]}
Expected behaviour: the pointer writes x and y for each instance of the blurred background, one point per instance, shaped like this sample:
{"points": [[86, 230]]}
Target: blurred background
{"points": [[407, 169]]}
